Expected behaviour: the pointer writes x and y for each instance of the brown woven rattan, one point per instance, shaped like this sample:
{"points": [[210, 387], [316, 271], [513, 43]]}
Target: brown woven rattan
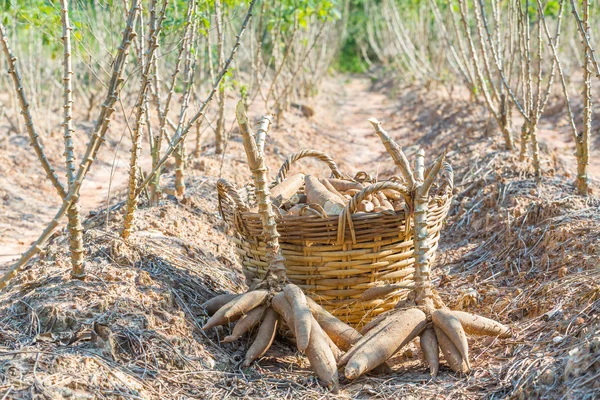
{"points": [[334, 259]]}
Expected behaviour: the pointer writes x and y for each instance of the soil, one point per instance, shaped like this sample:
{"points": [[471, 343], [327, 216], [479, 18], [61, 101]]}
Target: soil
{"points": [[524, 253]]}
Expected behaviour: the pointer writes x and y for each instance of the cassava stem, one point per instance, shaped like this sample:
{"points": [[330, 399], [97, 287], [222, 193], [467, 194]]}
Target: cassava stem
{"points": [[139, 114], [256, 163], [73, 214], [13, 71]]}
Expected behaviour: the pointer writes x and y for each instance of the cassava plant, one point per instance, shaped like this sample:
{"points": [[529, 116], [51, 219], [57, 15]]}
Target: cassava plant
{"points": [[437, 326], [582, 140], [220, 128], [74, 215], [318, 333], [182, 127], [184, 54], [114, 87], [290, 55], [141, 111]]}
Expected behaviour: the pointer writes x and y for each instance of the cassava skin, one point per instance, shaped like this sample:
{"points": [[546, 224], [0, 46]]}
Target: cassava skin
{"points": [[378, 292], [394, 336], [477, 325], [333, 190], [321, 357], [370, 337], [213, 305], [286, 189], [384, 202], [317, 193], [343, 335], [219, 317], [301, 314], [451, 353], [264, 337], [447, 321], [430, 348], [246, 302], [318, 351], [343, 186], [246, 323], [366, 206]]}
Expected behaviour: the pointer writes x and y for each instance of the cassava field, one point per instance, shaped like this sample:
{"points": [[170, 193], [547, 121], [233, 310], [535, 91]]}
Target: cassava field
{"points": [[299, 199]]}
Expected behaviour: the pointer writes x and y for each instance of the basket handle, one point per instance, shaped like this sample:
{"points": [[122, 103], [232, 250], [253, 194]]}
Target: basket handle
{"points": [[350, 208], [447, 179], [307, 153], [363, 176], [226, 189]]}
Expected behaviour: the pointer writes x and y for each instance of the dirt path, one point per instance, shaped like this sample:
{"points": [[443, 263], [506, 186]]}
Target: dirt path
{"points": [[96, 192]]}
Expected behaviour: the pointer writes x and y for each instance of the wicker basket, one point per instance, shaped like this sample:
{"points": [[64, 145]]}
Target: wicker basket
{"points": [[335, 259]]}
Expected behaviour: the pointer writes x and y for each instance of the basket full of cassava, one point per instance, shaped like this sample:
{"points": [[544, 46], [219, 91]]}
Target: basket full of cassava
{"points": [[346, 240]]}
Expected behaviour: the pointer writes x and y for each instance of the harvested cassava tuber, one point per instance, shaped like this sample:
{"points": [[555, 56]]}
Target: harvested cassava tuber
{"points": [[378, 292], [392, 195], [219, 318], [477, 325], [286, 189], [342, 335], [337, 353], [405, 327], [212, 305], [301, 314], [333, 190], [447, 322], [352, 192], [344, 186], [318, 351], [321, 357], [317, 193], [365, 206], [429, 346], [264, 337], [384, 202], [450, 352], [246, 303], [246, 323]]}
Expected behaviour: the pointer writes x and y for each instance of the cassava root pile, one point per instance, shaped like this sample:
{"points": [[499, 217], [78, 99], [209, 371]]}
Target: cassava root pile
{"points": [[328, 342], [325, 197]]}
